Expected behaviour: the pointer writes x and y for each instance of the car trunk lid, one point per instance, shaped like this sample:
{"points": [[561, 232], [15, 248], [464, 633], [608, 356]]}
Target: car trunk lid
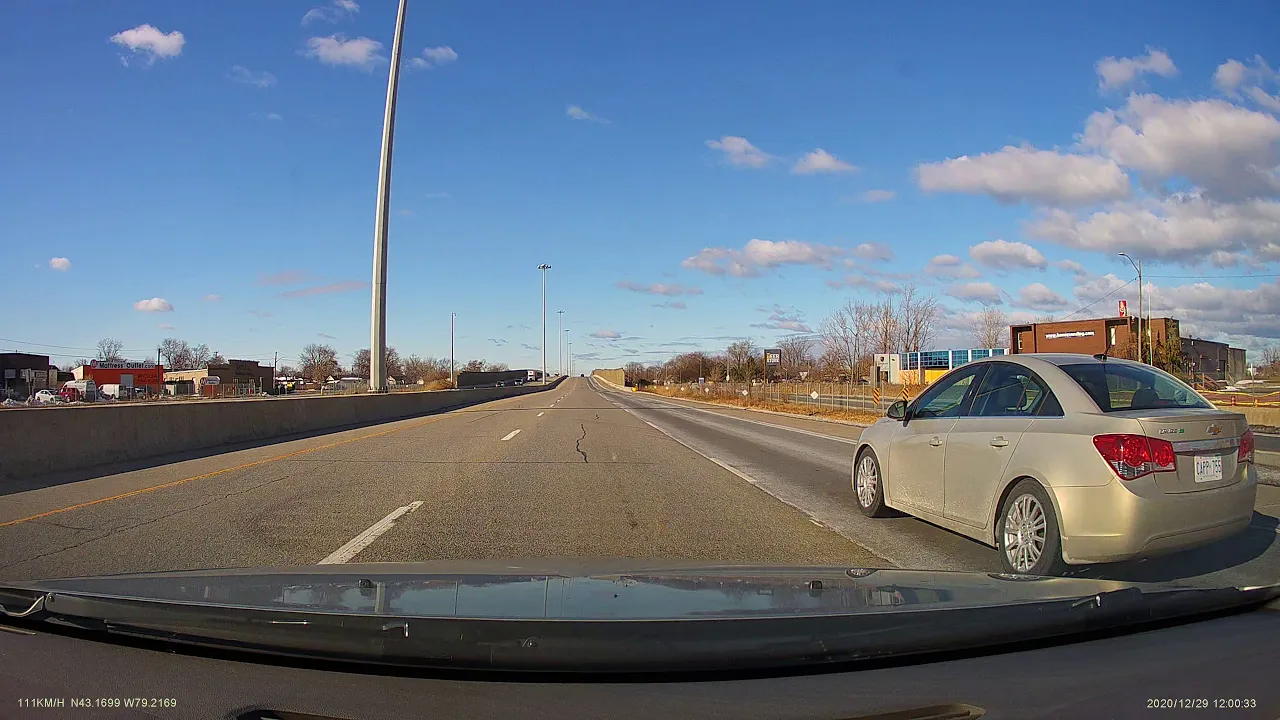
{"points": [[1204, 441]]}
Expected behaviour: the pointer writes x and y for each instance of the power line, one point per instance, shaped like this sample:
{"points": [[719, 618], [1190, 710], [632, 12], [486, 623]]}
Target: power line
{"points": [[1215, 277], [68, 347], [1095, 302]]}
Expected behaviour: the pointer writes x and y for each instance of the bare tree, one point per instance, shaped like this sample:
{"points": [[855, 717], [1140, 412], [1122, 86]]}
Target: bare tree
{"points": [[78, 362], [473, 366], [287, 371], [741, 358], [885, 326], [796, 355], [318, 362], [991, 328], [360, 363], [918, 323], [216, 359], [496, 367], [109, 349]]}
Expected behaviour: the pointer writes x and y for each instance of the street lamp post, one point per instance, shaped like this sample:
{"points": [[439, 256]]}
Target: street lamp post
{"points": [[544, 268], [378, 344], [565, 337], [560, 345], [453, 321], [570, 358], [1137, 265]]}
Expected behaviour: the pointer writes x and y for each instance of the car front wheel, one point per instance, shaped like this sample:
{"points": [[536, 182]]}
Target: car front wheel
{"points": [[1027, 532], [868, 484]]}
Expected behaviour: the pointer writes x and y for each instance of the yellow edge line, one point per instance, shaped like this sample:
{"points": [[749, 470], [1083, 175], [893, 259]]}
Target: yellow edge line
{"points": [[175, 483]]}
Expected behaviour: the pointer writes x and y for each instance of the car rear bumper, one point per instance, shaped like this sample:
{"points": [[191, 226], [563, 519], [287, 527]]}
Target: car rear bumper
{"points": [[1121, 521]]}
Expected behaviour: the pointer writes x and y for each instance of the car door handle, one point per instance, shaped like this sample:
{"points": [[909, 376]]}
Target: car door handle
{"points": [[936, 441], [998, 441]]}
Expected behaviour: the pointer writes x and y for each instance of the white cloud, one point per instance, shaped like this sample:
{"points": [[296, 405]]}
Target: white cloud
{"points": [[1018, 174], [1229, 76], [671, 290], [1100, 287], [166, 326], [1005, 255], [150, 43], [362, 52], [821, 161], [739, 152], [874, 251], [577, 113], [761, 254], [1116, 72], [244, 75], [606, 334], [982, 292], [60, 263], [1233, 76], [1183, 228], [1038, 296], [1229, 151], [212, 297], [672, 305], [865, 282], [433, 57], [1072, 267], [438, 196], [950, 267], [331, 13], [274, 116], [877, 196], [153, 305], [791, 325]]}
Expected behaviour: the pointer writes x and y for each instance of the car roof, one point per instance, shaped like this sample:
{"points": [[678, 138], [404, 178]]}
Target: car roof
{"points": [[1058, 359]]}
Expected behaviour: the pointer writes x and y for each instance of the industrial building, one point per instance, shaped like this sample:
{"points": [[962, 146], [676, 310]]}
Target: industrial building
{"points": [[1112, 336], [234, 377], [25, 373], [919, 368], [1214, 360], [144, 377]]}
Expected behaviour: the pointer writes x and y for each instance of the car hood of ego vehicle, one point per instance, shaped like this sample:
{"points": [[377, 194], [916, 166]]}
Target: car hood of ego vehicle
{"points": [[598, 616]]}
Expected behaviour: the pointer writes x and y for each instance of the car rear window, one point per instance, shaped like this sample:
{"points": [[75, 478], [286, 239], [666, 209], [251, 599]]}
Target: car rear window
{"points": [[1115, 387]]}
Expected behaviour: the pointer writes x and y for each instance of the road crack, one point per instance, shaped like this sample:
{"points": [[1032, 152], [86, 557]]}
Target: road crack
{"points": [[578, 445]]}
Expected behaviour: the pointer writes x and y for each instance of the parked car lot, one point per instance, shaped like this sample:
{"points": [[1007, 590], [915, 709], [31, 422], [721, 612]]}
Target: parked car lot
{"points": [[1062, 459]]}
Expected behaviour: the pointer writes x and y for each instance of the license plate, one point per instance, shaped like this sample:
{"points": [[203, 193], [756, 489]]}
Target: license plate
{"points": [[1208, 468]]}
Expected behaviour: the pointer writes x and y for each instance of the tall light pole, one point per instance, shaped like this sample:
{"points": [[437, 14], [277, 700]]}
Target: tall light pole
{"points": [[567, 364], [570, 358], [453, 320], [1137, 265], [378, 341], [560, 344], [544, 268]]}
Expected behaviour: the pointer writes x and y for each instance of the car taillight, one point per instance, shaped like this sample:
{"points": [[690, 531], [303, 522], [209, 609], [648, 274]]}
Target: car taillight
{"points": [[1245, 452], [1132, 456]]}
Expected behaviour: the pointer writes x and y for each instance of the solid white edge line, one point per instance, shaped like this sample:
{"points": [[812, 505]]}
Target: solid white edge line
{"points": [[366, 538], [846, 441], [511, 434], [544, 412]]}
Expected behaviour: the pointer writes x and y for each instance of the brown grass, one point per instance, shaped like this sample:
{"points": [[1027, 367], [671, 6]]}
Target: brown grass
{"points": [[862, 417], [444, 384]]}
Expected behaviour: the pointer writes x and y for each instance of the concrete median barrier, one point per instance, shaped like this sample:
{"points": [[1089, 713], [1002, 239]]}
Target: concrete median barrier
{"points": [[40, 441]]}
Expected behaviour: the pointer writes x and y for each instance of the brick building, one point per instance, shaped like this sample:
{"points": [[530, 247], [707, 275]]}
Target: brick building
{"points": [[1214, 360], [233, 377], [1115, 336]]}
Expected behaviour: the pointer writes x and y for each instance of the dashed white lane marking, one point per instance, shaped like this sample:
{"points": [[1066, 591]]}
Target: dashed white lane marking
{"points": [[544, 412], [364, 539], [511, 434]]}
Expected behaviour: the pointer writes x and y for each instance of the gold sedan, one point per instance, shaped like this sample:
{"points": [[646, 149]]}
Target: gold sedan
{"points": [[1062, 459]]}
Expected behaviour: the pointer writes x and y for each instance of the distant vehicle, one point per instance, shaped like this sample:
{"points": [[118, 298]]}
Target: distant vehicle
{"points": [[79, 390], [582, 376], [110, 390], [1062, 459], [47, 396]]}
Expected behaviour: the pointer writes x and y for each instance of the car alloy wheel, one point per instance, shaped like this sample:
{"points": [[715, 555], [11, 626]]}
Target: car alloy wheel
{"points": [[866, 480], [1025, 532]]}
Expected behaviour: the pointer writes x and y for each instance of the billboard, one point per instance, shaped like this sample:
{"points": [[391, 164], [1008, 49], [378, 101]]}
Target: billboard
{"points": [[1124, 308], [773, 357]]}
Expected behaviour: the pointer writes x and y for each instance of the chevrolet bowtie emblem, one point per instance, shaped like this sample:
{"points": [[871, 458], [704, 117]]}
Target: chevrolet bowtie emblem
{"points": [[1215, 430]]}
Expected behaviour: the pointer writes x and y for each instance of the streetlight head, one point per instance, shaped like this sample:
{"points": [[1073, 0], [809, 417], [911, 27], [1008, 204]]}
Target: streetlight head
{"points": [[544, 267], [1123, 254]]}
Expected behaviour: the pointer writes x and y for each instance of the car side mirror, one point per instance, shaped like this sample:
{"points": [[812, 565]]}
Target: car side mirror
{"points": [[897, 411]]}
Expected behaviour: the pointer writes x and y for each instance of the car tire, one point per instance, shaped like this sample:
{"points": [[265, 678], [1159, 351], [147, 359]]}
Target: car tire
{"points": [[870, 494], [1037, 549]]}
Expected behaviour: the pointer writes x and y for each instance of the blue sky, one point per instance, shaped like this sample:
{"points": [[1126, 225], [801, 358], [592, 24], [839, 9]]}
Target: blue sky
{"points": [[694, 172]]}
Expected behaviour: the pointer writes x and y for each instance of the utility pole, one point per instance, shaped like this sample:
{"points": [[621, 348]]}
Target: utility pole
{"points": [[378, 332], [544, 268], [567, 364], [453, 319], [560, 345], [275, 362], [1137, 265], [570, 358]]}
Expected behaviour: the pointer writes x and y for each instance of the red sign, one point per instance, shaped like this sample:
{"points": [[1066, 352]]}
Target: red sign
{"points": [[1124, 308]]}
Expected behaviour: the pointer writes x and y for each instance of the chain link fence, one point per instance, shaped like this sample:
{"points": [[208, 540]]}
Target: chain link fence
{"points": [[833, 395]]}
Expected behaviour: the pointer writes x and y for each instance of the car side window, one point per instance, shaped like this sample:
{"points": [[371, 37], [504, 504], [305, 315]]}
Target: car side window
{"points": [[946, 397], [1010, 390]]}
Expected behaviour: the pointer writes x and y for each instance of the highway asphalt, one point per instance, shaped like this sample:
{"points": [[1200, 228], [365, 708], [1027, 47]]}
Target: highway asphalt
{"points": [[580, 470]]}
